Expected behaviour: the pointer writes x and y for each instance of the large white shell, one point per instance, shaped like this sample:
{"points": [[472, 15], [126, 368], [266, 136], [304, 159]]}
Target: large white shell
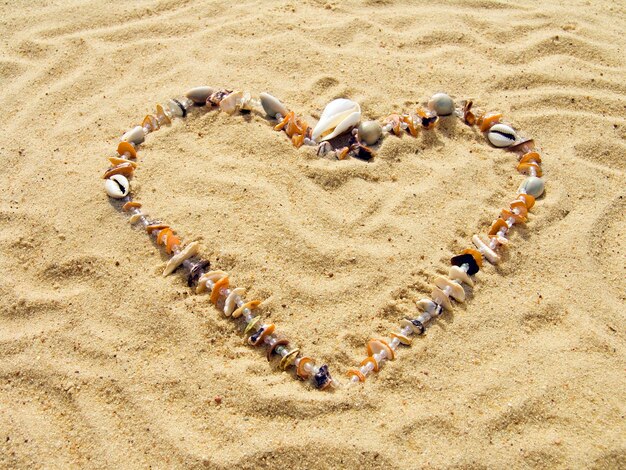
{"points": [[501, 135], [229, 303], [338, 117]]}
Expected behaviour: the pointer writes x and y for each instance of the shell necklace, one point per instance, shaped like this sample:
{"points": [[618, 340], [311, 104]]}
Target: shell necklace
{"points": [[341, 116]]}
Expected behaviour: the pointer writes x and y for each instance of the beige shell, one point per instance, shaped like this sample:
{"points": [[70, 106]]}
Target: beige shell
{"points": [[441, 298], [212, 276], [487, 252], [457, 274], [426, 305], [456, 291], [229, 303], [189, 251]]}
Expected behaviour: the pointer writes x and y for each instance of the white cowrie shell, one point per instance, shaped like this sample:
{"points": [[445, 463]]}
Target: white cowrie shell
{"points": [[501, 135], [338, 117], [135, 135], [117, 186]]}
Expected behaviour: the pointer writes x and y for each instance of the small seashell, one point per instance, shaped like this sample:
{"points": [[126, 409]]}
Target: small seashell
{"points": [[196, 271], [217, 288], [338, 117], [417, 327], [507, 214], [405, 340], [272, 106], [124, 168], [528, 200], [533, 186], [530, 157], [117, 186], [370, 359], [229, 304], [518, 207], [322, 378], [263, 332], [469, 259], [457, 274], [301, 369], [355, 373], [455, 289], [131, 205], [162, 116], [289, 359], [231, 103], [441, 104], [528, 168], [189, 251], [199, 94], [126, 149], [135, 218], [370, 132], [249, 305], [274, 345], [135, 135], [375, 346], [210, 276], [487, 252], [176, 108], [441, 298], [118, 160], [499, 224], [251, 326], [489, 120], [426, 305], [501, 135]]}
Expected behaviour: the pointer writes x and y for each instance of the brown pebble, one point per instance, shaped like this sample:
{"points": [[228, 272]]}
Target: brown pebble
{"points": [[218, 399]]}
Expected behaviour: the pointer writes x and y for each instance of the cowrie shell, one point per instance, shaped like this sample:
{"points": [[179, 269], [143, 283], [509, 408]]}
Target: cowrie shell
{"points": [[117, 186]]}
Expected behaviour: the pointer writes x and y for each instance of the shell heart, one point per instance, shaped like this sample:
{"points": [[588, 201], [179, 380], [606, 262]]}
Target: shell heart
{"points": [[338, 117]]}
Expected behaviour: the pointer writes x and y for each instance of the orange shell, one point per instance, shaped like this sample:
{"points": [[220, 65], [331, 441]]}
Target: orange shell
{"points": [[528, 200], [151, 122], [163, 235], [402, 338], [519, 219], [118, 161], [368, 360], [489, 120], [215, 292], [497, 225], [130, 205], [161, 114], [390, 354], [153, 227], [341, 154], [521, 207], [251, 305], [409, 122], [530, 157], [172, 241], [525, 167], [126, 147], [476, 254], [125, 169], [352, 372], [300, 369], [284, 122]]}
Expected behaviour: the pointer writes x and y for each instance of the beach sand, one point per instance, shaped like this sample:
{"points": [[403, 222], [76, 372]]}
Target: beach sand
{"points": [[105, 363]]}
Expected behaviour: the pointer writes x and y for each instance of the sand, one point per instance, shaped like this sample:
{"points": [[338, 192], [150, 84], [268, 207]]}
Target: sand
{"points": [[105, 363]]}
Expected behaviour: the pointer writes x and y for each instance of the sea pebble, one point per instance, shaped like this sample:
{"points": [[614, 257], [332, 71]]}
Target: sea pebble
{"points": [[369, 132], [533, 186], [199, 94], [441, 104], [117, 186], [272, 105], [135, 135], [501, 135]]}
